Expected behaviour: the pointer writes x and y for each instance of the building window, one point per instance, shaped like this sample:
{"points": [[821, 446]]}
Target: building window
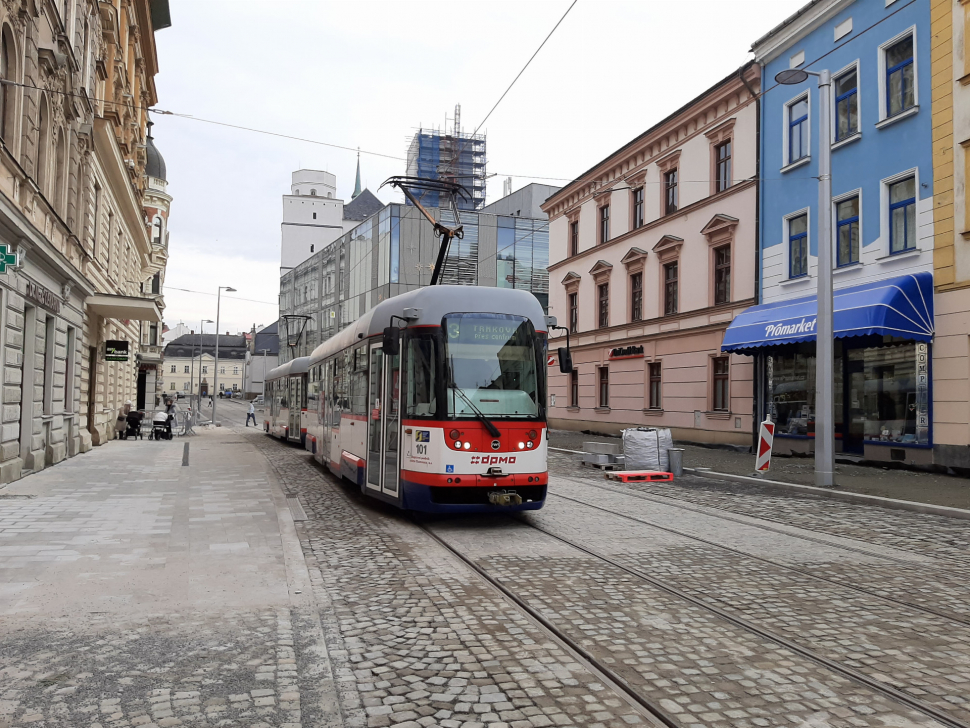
{"points": [[722, 274], [670, 192], [574, 388], [185, 387], [636, 299], [222, 370], [6, 91], [604, 386], [604, 224], [574, 238], [847, 231], [900, 81], [313, 193], [172, 386], [573, 313], [186, 369], [670, 288], [902, 215], [173, 369], [846, 105], [604, 304], [653, 370], [205, 370], [637, 208], [798, 130], [721, 384], [798, 246], [235, 370], [314, 216], [722, 156]]}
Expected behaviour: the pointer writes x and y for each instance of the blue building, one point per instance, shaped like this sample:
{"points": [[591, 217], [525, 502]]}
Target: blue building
{"points": [[452, 157], [878, 52]]}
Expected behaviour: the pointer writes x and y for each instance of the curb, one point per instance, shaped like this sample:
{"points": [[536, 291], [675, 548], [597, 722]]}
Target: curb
{"points": [[848, 497]]}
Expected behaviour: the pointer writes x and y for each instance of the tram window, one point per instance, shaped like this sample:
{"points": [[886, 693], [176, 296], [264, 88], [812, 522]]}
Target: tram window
{"points": [[421, 377], [358, 383]]}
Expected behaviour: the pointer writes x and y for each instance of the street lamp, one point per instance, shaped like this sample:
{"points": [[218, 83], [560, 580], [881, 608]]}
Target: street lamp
{"points": [[198, 404], [824, 341], [215, 376], [264, 372]]}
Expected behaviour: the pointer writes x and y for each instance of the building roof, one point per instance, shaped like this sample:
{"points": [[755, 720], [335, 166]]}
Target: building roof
{"points": [[230, 347], [267, 339], [362, 206], [357, 183], [154, 162]]}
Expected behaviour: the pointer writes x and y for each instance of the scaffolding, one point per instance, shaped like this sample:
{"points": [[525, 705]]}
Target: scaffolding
{"points": [[450, 157]]}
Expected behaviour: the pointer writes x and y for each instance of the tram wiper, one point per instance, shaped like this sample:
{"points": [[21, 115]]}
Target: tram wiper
{"points": [[492, 429]]}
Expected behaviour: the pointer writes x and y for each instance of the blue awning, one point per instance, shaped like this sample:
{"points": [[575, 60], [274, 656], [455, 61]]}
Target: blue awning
{"points": [[901, 307]]}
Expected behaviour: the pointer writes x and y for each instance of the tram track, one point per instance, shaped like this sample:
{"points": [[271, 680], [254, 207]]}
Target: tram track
{"points": [[776, 564], [846, 671]]}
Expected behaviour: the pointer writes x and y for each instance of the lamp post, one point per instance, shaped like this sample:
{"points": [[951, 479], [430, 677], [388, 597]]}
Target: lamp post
{"points": [[824, 339], [215, 376], [198, 403]]}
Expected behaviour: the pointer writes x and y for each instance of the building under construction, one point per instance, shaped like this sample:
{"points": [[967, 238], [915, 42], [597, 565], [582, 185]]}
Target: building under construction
{"points": [[452, 157]]}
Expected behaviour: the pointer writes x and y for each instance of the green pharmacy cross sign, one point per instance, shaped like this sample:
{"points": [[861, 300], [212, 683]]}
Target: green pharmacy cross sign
{"points": [[6, 258]]}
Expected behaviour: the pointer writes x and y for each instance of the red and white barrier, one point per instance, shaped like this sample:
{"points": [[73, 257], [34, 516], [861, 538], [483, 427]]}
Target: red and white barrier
{"points": [[765, 439]]}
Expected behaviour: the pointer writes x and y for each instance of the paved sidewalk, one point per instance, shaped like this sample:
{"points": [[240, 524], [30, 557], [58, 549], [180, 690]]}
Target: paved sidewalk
{"points": [[138, 591]]}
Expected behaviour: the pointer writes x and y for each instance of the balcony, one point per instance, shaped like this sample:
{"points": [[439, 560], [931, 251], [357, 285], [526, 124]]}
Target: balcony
{"points": [[149, 354]]}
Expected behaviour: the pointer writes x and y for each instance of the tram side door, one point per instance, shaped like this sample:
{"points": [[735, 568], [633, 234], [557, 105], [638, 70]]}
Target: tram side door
{"points": [[383, 421], [296, 406]]}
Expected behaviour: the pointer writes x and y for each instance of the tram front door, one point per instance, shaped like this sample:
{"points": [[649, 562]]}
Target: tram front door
{"points": [[383, 421]]}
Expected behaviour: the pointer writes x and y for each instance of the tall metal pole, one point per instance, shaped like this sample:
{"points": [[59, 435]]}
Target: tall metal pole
{"points": [[215, 374], [824, 341]]}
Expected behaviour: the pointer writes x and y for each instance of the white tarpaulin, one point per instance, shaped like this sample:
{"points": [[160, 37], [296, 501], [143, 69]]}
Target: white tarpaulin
{"points": [[646, 448]]}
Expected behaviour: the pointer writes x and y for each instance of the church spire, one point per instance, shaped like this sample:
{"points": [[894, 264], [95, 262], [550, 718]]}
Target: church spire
{"points": [[357, 185]]}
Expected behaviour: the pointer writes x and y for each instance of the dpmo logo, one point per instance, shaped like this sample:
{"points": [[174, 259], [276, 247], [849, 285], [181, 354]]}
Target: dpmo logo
{"points": [[493, 460]]}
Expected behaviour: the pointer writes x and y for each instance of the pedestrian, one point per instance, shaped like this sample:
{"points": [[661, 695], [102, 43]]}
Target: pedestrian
{"points": [[252, 413], [210, 401], [121, 424], [171, 409]]}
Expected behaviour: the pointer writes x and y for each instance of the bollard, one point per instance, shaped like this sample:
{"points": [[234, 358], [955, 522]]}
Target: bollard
{"points": [[675, 457]]}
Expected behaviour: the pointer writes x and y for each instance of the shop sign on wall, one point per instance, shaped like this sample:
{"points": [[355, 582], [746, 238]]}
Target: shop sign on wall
{"points": [[115, 350], [922, 394], [626, 352], [47, 299]]}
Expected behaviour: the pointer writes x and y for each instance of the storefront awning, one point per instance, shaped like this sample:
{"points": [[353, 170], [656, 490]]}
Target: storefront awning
{"points": [[124, 307], [901, 307]]}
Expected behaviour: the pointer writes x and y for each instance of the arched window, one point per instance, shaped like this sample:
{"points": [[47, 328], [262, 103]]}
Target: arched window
{"points": [[313, 193], [42, 174], [157, 230], [8, 68], [329, 195]]}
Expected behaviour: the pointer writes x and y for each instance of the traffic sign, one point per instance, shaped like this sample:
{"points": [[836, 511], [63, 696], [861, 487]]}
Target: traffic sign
{"points": [[765, 440], [551, 361], [6, 258]]}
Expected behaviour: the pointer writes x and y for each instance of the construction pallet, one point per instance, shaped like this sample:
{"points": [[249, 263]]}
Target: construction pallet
{"points": [[639, 476], [605, 466]]}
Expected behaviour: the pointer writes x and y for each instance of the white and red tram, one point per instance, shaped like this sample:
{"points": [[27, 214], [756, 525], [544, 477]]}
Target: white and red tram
{"points": [[286, 392], [435, 400]]}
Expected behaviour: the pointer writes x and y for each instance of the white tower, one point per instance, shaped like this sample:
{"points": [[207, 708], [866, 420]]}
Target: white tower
{"points": [[312, 216]]}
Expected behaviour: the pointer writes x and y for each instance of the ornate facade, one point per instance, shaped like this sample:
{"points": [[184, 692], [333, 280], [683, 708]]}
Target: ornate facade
{"points": [[77, 83]]}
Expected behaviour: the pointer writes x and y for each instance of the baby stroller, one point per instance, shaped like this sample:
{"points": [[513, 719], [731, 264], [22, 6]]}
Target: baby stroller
{"points": [[161, 429], [133, 430]]}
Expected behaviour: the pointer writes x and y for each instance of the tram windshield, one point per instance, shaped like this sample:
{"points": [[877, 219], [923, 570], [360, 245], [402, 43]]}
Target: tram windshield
{"points": [[491, 360]]}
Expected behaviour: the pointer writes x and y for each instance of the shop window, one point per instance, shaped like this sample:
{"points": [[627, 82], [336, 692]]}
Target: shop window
{"points": [[671, 196], [574, 238], [798, 246], [604, 386], [573, 313], [798, 142], [847, 231], [636, 297], [902, 216], [900, 77], [670, 288], [654, 374], [722, 159], [574, 388], [638, 208], [722, 274], [846, 105], [721, 368], [604, 224], [604, 304]]}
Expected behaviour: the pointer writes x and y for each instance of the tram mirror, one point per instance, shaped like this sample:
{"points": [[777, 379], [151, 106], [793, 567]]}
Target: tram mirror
{"points": [[565, 360], [392, 341]]}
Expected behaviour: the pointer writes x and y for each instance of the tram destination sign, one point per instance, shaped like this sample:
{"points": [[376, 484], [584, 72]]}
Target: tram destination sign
{"points": [[626, 352], [115, 350]]}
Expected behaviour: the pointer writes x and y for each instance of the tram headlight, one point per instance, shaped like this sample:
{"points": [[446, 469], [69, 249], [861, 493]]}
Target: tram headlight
{"points": [[529, 443], [457, 445], [521, 446], [468, 446]]}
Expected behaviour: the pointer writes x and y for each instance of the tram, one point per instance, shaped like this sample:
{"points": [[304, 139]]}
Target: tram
{"points": [[286, 398], [435, 400]]}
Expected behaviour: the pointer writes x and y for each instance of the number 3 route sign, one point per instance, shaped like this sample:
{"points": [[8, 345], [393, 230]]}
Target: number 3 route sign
{"points": [[6, 258]]}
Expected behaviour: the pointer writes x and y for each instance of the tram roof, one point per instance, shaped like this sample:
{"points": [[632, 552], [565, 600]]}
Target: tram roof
{"points": [[431, 305], [291, 368]]}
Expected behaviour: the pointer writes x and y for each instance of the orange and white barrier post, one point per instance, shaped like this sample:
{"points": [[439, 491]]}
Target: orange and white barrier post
{"points": [[765, 439]]}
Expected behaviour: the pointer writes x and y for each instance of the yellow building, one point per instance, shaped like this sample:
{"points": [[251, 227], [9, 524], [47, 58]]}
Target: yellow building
{"points": [[187, 371], [950, 25]]}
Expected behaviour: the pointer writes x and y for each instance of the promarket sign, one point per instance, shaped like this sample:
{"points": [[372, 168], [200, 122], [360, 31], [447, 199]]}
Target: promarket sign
{"points": [[805, 326]]}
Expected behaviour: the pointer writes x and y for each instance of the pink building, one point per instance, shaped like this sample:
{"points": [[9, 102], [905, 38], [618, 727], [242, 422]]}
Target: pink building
{"points": [[652, 252]]}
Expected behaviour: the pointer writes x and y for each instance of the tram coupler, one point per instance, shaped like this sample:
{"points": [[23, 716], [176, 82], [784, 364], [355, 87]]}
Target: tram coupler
{"points": [[504, 498]]}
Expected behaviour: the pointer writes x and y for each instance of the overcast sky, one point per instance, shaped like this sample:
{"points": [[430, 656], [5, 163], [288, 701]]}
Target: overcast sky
{"points": [[366, 74]]}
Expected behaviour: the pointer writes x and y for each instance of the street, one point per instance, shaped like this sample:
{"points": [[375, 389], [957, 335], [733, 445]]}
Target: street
{"points": [[247, 587]]}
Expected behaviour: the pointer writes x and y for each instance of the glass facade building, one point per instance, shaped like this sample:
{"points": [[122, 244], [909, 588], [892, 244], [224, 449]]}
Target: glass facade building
{"points": [[394, 251]]}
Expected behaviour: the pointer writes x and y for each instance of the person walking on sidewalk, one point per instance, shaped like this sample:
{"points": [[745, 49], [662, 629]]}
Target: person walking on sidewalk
{"points": [[252, 413]]}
